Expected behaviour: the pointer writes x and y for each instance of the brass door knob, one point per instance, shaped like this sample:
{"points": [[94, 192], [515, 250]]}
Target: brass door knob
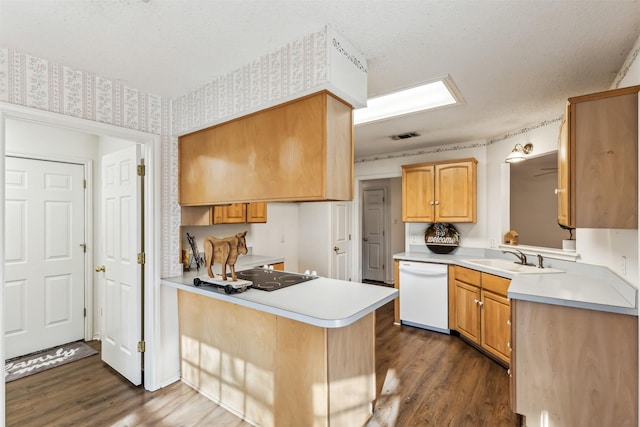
{"points": [[102, 268], [336, 248]]}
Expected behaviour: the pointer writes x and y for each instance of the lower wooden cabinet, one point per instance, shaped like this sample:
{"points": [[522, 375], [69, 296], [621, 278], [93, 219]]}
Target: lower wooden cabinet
{"points": [[467, 311], [278, 266], [481, 310], [574, 366], [496, 330]]}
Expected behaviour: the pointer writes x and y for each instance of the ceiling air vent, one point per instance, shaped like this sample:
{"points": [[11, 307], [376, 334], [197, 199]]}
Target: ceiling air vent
{"points": [[405, 136]]}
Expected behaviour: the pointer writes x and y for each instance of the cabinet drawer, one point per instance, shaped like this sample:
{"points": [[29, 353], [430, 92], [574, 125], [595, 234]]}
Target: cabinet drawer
{"points": [[467, 275], [496, 284]]}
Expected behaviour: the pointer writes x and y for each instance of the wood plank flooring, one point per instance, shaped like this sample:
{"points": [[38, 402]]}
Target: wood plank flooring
{"points": [[424, 379]]}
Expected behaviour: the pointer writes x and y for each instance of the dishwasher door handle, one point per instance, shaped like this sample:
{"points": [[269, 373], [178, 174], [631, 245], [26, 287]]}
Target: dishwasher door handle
{"points": [[424, 273]]}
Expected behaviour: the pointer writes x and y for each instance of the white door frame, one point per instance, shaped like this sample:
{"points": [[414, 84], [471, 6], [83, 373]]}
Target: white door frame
{"points": [[385, 226], [356, 226], [151, 153], [88, 229]]}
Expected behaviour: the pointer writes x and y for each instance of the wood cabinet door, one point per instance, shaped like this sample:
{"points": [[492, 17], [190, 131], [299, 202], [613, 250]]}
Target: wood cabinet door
{"points": [[606, 159], [455, 192], [257, 212], [235, 213], [564, 167], [495, 327], [418, 198], [468, 310]]}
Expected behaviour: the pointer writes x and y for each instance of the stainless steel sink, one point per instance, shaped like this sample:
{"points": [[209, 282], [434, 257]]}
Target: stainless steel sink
{"points": [[511, 267]]}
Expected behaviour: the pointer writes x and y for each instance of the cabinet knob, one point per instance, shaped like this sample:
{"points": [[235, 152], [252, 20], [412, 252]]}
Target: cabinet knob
{"points": [[432, 203], [476, 301], [480, 303], [508, 322], [437, 202], [336, 248]]}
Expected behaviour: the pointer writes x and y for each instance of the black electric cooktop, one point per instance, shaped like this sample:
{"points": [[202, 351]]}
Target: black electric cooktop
{"points": [[271, 280]]}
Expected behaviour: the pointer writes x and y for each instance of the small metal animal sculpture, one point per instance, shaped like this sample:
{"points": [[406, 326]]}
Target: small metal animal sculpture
{"points": [[224, 251]]}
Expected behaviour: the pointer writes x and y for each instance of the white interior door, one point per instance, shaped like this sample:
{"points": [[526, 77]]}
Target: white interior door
{"points": [[121, 243], [44, 255], [373, 235], [341, 240]]}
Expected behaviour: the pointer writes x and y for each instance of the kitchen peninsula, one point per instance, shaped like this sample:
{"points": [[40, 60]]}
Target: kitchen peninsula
{"points": [[302, 355]]}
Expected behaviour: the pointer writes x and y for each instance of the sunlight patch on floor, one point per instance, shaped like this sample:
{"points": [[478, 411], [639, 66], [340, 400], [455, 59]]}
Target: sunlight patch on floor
{"points": [[387, 407]]}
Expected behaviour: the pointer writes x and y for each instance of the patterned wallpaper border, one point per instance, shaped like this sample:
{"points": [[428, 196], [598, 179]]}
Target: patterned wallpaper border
{"points": [[290, 71]]}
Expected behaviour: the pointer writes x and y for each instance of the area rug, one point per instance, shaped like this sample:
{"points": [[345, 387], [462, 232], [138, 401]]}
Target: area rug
{"points": [[46, 359]]}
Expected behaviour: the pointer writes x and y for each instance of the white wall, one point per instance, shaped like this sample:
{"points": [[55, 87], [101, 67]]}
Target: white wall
{"points": [[314, 244]]}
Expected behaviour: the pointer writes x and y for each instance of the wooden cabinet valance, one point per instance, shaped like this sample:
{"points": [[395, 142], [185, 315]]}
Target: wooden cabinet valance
{"points": [[235, 213], [298, 151]]}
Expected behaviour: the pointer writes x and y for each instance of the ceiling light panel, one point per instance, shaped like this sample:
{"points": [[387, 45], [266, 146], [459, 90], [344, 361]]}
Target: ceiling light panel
{"points": [[434, 94]]}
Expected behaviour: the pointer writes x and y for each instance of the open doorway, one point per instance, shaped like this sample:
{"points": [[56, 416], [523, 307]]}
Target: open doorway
{"points": [[381, 228], [83, 140]]}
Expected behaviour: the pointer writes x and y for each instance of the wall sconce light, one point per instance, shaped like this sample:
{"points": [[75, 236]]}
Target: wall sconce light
{"points": [[518, 153]]}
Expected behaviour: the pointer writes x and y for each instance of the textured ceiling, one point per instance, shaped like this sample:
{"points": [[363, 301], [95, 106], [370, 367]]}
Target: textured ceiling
{"points": [[514, 62]]}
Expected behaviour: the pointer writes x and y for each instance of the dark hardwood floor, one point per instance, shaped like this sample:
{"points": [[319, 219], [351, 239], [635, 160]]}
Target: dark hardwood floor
{"points": [[424, 379]]}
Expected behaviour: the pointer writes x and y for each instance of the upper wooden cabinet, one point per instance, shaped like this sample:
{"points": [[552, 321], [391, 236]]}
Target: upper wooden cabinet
{"points": [[235, 213], [256, 212], [298, 151], [439, 192], [598, 161]]}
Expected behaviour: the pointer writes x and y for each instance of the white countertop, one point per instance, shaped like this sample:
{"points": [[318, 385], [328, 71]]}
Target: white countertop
{"points": [[327, 303], [581, 285]]}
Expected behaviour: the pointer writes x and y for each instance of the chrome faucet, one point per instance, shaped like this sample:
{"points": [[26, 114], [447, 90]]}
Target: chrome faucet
{"points": [[540, 261], [522, 258]]}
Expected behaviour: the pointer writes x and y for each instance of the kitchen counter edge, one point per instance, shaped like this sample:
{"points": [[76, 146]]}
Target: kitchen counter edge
{"points": [[569, 289], [304, 301]]}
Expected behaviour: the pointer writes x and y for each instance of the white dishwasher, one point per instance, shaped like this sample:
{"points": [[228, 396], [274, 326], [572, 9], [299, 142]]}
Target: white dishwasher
{"points": [[424, 300]]}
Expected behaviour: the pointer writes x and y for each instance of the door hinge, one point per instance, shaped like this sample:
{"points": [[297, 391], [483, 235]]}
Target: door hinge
{"points": [[142, 347], [84, 184], [141, 170], [349, 236], [85, 312], [142, 258]]}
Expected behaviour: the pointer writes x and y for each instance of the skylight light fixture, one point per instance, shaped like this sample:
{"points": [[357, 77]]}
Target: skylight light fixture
{"points": [[434, 94]]}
